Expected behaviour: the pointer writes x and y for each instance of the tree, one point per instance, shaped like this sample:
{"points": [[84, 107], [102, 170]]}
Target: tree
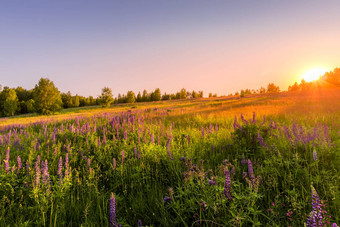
{"points": [[75, 101], [11, 103], [194, 94], [262, 90], [67, 99], [30, 106], [130, 97], [294, 87], [200, 94], [271, 88], [166, 96], [139, 97], [106, 98], [46, 97], [145, 96], [3, 96], [157, 96], [183, 94]]}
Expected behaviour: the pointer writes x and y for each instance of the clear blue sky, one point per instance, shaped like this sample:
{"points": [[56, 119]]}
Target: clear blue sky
{"points": [[214, 46]]}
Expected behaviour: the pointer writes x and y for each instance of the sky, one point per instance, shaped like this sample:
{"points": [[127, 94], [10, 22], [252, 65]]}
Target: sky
{"points": [[215, 46]]}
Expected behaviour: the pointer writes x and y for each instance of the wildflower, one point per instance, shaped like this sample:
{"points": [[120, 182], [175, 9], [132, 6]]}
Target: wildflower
{"points": [[7, 154], [135, 152], [260, 139], [27, 167], [37, 172], [315, 155], [125, 135], [168, 149], [243, 161], [315, 217], [250, 170], [114, 163], [166, 199], [6, 166], [18, 164], [212, 182], [252, 181], [202, 131], [113, 221], [227, 185]]}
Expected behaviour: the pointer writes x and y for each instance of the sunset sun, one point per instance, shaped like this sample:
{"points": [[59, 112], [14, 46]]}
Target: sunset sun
{"points": [[313, 74]]}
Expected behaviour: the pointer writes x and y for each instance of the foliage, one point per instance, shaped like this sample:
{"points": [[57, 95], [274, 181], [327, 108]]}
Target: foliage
{"points": [[11, 103], [130, 97], [47, 97], [106, 98]]}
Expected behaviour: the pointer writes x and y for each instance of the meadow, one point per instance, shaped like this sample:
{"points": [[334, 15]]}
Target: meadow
{"points": [[271, 160]]}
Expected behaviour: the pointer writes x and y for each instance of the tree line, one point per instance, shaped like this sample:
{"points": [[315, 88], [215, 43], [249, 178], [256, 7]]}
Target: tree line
{"points": [[45, 98], [329, 79]]}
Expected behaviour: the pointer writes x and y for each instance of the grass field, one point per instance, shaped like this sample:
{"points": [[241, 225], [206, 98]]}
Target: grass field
{"points": [[271, 160]]}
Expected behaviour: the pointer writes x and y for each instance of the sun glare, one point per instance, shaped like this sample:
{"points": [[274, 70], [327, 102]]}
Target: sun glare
{"points": [[313, 74]]}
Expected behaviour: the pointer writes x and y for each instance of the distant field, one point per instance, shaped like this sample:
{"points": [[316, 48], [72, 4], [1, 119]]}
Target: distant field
{"points": [[271, 160], [281, 104]]}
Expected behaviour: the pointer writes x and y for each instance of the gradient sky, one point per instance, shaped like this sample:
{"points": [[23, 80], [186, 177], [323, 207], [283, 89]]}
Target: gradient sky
{"points": [[211, 45]]}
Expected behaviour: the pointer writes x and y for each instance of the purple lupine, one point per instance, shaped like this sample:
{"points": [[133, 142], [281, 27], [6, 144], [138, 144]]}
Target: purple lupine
{"points": [[260, 139], [254, 118], [315, 155], [104, 138], [227, 185], [236, 124], [315, 217], [37, 172], [168, 149], [125, 135], [6, 165], [135, 151], [66, 161], [7, 154], [45, 174], [250, 170], [212, 182], [243, 161], [139, 223], [334, 225], [60, 168], [99, 143], [202, 131], [114, 163], [113, 221], [19, 165], [244, 120], [166, 199]]}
